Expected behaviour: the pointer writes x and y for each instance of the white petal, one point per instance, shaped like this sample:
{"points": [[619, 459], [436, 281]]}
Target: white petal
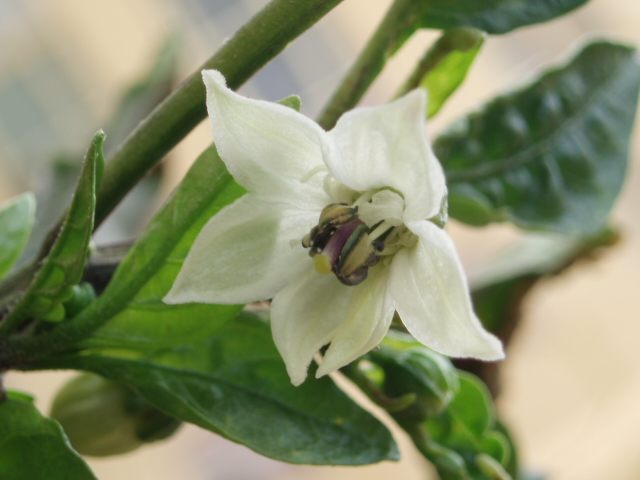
{"points": [[432, 297], [304, 317], [244, 254], [269, 149], [386, 146], [384, 205], [366, 322]]}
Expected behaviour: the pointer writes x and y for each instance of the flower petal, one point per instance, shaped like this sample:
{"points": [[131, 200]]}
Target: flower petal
{"points": [[269, 149], [366, 322], [432, 297], [386, 146], [244, 254], [304, 317]]}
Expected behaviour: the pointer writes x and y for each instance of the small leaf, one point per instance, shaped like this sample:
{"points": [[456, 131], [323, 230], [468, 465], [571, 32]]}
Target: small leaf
{"points": [[34, 447], [235, 384], [552, 155], [139, 319], [16, 220], [492, 16], [471, 409], [63, 267], [447, 63]]}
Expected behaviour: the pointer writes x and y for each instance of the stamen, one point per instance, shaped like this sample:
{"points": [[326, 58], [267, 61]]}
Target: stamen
{"points": [[382, 228], [364, 198]]}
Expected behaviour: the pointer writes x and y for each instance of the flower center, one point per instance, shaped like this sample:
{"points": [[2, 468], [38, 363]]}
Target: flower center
{"points": [[343, 242]]}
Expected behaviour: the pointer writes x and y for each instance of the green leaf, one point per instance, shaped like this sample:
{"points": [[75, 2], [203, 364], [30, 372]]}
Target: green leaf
{"points": [[16, 220], [492, 16], [451, 70], [235, 384], [63, 267], [34, 447], [133, 300], [552, 155]]}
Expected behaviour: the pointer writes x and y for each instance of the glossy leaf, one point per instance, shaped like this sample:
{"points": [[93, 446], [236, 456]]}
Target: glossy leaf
{"points": [[63, 266], [16, 220], [235, 384], [34, 447], [492, 16], [552, 155]]}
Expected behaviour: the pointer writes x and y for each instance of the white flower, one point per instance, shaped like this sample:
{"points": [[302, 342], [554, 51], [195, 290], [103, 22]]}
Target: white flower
{"points": [[377, 159]]}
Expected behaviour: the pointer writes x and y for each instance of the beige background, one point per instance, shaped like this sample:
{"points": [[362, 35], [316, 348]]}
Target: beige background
{"points": [[572, 379]]}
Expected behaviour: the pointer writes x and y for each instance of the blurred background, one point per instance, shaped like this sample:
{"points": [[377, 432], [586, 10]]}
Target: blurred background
{"points": [[571, 383]]}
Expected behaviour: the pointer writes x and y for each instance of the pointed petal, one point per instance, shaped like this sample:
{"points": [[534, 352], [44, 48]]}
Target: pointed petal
{"points": [[386, 146], [304, 317], [244, 254], [432, 297], [367, 320], [269, 149]]}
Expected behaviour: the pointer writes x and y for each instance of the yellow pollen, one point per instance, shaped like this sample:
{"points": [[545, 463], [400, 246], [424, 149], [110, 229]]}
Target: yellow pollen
{"points": [[322, 264]]}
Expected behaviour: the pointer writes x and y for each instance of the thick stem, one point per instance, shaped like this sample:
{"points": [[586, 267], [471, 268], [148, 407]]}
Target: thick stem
{"points": [[388, 37], [257, 42]]}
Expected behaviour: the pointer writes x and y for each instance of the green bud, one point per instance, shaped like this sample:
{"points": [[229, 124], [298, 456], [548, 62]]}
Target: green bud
{"points": [[448, 463], [421, 371], [81, 296], [102, 417]]}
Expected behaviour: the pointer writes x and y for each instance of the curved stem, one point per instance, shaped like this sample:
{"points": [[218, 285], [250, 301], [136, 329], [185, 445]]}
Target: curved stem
{"points": [[394, 29], [258, 41]]}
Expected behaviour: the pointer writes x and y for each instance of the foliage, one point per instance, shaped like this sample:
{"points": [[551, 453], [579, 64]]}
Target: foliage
{"points": [[550, 156]]}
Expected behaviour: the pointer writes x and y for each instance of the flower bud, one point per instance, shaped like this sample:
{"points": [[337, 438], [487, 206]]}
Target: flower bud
{"points": [[102, 417], [81, 296], [418, 370]]}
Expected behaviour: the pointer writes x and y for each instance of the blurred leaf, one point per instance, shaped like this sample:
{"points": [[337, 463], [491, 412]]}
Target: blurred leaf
{"points": [[445, 65], [34, 447], [492, 16], [64, 264], [550, 156], [499, 288], [16, 220], [235, 384]]}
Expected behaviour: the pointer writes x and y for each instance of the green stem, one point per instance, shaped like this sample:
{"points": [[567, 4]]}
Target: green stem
{"points": [[258, 41], [394, 29]]}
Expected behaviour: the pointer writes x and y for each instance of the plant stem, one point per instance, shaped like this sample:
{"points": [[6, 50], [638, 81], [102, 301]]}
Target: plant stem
{"points": [[394, 29], [258, 41]]}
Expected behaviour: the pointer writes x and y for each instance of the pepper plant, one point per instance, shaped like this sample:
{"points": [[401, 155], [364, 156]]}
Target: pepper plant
{"points": [[333, 232]]}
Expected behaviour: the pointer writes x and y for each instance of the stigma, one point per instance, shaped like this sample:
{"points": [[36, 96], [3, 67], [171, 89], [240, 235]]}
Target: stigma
{"points": [[341, 243]]}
